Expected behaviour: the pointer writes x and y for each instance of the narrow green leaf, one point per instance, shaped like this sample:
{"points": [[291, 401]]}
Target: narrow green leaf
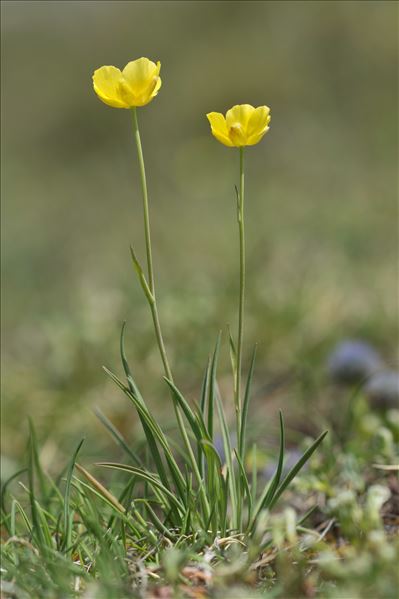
{"points": [[4, 486], [306, 515], [67, 495], [12, 527], [100, 488], [254, 481], [270, 489], [152, 430], [157, 522], [244, 414], [36, 528], [117, 436], [44, 526], [212, 387], [229, 461], [205, 388], [145, 476], [189, 414], [246, 483], [294, 471], [80, 484], [180, 401], [233, 358], [24, 515], [141, 276], [36, 461], [237, 202], [131, 382], [210, 449], [125, 497]]}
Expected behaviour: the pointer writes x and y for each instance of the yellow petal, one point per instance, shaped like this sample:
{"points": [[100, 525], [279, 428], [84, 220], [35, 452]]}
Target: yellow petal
{"points": [[254, 139], [157, 85], [258, 125], [239, 115], [145, 96], [141, 81], [140, 74], [219, 128], [258, 120], [106, 83]]}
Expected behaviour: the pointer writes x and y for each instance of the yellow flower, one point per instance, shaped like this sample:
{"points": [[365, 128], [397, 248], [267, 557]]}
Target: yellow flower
{"points": [[136, 85], [243, 125]]}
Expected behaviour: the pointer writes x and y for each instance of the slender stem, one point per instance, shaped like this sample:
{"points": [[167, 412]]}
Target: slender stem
{"points": [[241, 294], [237, 398], [151, 297], [151, 283], [145, 201]]}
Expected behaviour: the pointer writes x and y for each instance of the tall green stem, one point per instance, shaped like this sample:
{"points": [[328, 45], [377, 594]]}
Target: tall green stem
{"points": [[241, 228], [237, 398], [151, 297], [151, 283]]}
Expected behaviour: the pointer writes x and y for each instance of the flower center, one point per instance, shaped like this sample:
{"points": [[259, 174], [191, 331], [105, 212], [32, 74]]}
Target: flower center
{"points": [[237, 134]]}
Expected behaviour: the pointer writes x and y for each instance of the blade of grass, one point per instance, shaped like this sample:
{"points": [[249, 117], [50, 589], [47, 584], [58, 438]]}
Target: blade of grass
{"points": [[100, 488], [4, 487], [254, 480], [212, 387], [233, 358], [24, 516], [44, 526], [37, 532], [79, 485], [145, 476], [294, 471], [187, 411], [270, 489], [125, 496], [229, 461], [246, 483], [67, 526], [181, 401], [153, 431], [244, 415], [36, 461], [117, 436], [157, 522], [205, 388], [202, 409], [144, 421]]}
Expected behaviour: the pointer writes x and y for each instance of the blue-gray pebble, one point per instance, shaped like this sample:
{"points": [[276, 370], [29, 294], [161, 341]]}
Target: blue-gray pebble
{"points": [[382, 390], [352, 361]]}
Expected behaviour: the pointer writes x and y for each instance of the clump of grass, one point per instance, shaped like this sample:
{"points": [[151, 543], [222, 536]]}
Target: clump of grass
{"points": [[71, 537]]}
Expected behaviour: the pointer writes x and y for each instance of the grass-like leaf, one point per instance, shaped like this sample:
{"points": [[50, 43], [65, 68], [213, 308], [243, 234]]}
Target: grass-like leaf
{"points": [[153, 431], [270, 489], [212, 387], [245, 406], [229, 461], [67, 519], [117, 436], [169, 497], [294, 471]]}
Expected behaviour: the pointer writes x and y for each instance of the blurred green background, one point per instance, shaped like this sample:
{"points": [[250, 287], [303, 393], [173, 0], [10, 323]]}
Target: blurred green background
{"points": [[321, 202]]}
